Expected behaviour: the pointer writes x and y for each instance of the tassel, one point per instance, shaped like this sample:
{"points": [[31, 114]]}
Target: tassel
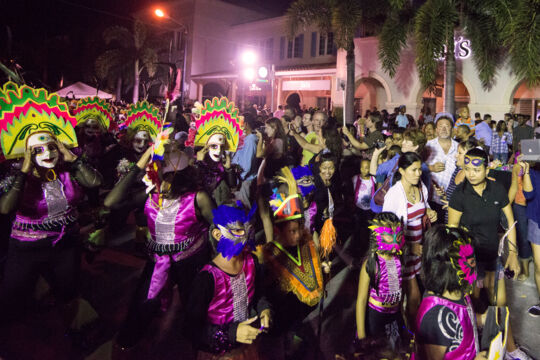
{"points": [[328, 237]]}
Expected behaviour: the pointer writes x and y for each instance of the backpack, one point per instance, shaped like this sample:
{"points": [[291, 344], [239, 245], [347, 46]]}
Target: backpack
{"points": [[378, 198]]}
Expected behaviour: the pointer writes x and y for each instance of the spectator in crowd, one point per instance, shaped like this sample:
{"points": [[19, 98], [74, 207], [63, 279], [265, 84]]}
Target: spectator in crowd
{"points": [[271, 147], [279, 112], [521, 131], [318, 119], [477, 118], [464, 119], [462, 133], [484, 133], [307, 124], [328, 139], [402, 120], [428, 118], [369, 142], [500, 141]]}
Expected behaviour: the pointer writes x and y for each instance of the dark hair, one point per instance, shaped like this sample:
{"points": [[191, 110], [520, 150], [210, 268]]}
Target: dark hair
{"points": [[437, 270], [476, 114], [469, 144], [280, 132], [406, 160], [465, 128], [183, 181], [487, 116], [250, 120], [477, 152], [398, 131], [394, 149], [373, 268], [500, 125], [417, 137], [332, 138], [376, 120]]}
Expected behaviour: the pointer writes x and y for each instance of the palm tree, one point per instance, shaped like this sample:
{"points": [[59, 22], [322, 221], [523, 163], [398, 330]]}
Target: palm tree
{"points": [[342, 17], [131, 53], [492, 26]]}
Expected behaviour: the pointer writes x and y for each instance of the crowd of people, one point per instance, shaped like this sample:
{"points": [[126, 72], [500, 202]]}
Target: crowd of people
{"points": [[273, 227]]}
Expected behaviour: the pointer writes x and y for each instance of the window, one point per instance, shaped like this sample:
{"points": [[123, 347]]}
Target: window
{"points": [[269, 49], [326, 44], [313, 44], [282, 47], [295, 47]]}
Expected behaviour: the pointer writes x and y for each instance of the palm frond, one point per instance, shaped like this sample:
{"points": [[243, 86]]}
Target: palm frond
{"points": [[108, 60], [139, 34], [480, 29], [118, 34], [392, 39], [522, 38], [149, 59], [346, 18], [303, 13], [434, 28]]}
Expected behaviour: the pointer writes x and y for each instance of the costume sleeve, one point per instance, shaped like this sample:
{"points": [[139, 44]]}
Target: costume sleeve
{"points": [[261, 301], [120, 195], [10, 200], [210, 337], [86, 175]]}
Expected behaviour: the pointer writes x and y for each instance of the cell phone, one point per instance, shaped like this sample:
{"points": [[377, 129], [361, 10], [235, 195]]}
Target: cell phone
{"points": [[380, 144]]}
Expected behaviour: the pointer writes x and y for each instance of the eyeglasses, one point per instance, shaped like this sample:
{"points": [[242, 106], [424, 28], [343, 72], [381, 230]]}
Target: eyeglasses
{"points": [[474, 161]]}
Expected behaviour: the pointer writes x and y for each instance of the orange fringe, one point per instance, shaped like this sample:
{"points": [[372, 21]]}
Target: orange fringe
{"points": [[328, 237]]}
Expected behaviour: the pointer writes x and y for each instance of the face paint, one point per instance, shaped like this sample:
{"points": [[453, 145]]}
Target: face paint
{"points": [[92, 128], [141, 141], [304, 180], [473, 160], [388, 239], [44, 149], [216, 145]]}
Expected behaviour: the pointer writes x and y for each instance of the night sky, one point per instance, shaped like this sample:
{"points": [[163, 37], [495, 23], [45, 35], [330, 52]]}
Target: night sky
{"points": [[55, 40]]}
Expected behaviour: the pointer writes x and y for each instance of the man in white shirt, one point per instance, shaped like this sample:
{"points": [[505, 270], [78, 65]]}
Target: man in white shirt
{"points": [[442, 154]]}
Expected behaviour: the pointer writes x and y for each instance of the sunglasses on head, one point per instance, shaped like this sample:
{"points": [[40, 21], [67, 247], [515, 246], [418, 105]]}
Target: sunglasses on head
{"points": [[41, 149], [474, 161]]}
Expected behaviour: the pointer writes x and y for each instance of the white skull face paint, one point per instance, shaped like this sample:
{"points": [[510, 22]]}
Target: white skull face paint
{"points": [[216, 146], [141, 141], [44, 149], [92, 128]]}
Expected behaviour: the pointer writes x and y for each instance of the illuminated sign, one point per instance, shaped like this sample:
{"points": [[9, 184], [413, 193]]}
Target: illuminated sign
{"points": [[462, 48], [306, 85]]}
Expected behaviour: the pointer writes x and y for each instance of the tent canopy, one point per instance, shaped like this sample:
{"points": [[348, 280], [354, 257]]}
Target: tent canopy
{"points": [[81, 90]]}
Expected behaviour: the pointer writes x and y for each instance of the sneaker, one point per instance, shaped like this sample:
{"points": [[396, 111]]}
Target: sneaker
{"points": [[517, 354], [534, 310]]}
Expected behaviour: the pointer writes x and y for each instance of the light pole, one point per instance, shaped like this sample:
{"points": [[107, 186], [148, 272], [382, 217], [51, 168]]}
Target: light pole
{"points": [[161, 14]]}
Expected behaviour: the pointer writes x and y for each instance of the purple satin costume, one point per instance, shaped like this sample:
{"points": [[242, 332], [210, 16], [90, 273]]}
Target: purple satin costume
{"points": [[232, 294], [390, 281], [469, 346], [47, 210], [176, 234]]}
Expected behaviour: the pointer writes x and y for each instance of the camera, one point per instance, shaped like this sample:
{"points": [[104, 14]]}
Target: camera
{"points": [[380, 144]]}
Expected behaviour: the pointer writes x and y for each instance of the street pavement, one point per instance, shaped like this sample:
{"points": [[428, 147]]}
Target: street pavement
{"points": [[108, 283]]}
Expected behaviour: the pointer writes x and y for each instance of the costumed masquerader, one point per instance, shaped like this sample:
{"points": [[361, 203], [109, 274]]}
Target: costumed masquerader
{"points": [[227, 309], [295, 276], [446, 322], [143, 124], [178, 215], [44, 196], [219, 132], [378, 306], [306, 186]]}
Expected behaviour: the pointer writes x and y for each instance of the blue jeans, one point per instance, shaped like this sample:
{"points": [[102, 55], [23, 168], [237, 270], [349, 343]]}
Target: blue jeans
{"points": [[502, 157], [524, 247]]}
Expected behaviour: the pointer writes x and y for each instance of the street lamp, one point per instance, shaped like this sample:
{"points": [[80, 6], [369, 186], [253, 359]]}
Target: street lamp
{"points": [[161, 14]]}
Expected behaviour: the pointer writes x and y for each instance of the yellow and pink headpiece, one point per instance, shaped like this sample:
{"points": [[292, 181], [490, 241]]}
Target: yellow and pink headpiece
{"points": [[218, 117], [94, 108], [25, 111]]}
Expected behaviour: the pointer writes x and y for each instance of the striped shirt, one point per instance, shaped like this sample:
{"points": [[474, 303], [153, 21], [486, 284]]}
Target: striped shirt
{"points": [[413, 234]]}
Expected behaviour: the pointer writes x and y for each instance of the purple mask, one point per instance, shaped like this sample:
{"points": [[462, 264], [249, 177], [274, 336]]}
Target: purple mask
{"points": [[389, 240]]}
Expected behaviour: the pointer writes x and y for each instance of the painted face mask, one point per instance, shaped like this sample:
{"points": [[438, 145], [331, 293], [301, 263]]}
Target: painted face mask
{"points": [[216, 145], [44, 149], [92, 128], [141, 141], [463, 259], [236, 230]]}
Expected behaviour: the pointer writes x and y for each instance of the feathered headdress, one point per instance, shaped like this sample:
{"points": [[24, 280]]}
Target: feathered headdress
{"points": [[143, 116], [25, 110], [462, 257], [94, 108], [218, 116], [286, 206], [387, 234]]}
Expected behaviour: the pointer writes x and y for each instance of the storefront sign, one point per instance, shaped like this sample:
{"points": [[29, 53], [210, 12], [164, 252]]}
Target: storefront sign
{"points": [[462, 48], [295, 85]]}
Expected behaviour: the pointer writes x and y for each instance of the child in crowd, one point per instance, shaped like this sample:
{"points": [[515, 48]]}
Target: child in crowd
{"points": [[378, 305]]}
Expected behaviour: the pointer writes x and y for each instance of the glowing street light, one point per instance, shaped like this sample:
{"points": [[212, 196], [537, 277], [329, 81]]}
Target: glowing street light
{"points": [[159, 13], [249, 57], [249, 74], [263, 72]]}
